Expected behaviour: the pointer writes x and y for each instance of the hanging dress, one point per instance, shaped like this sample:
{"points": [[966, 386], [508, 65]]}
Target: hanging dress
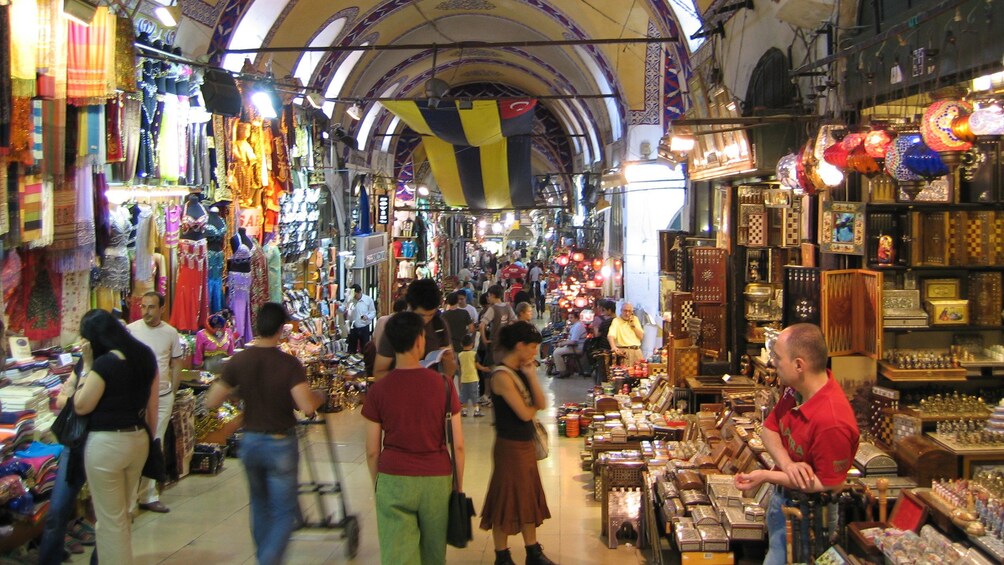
{"points": [[259, 280], [215, 234], [239, 291], [190, 309]]}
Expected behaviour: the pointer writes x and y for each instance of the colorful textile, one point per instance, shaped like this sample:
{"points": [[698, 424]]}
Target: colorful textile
{"points": [[6, 100], [87, 62], [54, 137], [51, 50], [481, 156], [35, 306], [36, 130], [23, 47], [76, 302], [4, 180], [29, 191], [259, 281]]}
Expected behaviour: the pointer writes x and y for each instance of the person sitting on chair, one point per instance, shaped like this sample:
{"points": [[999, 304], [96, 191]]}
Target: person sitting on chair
{"points": [[576, 337]]}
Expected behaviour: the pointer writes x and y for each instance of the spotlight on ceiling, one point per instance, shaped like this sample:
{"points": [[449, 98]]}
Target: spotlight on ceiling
{"points": [[79, 11], [423, 190], [263, 101], [435, 90], [355, 111], [601, 205], [315, 100]]}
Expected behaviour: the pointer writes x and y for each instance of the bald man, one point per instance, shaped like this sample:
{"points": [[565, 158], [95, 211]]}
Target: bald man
{"points": [[625, 335]]}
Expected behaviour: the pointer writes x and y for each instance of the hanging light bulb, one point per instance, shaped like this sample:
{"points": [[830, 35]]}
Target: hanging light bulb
{"points": [[578, 256]]}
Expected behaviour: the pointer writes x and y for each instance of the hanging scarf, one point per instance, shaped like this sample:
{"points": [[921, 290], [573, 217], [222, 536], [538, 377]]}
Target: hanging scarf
{"points": [[53, 138], [23, 47], [76, 302], [35, 305], [29, 191], [87, 61], [51, 50], [6, 100], [36, 130], [73, 245], [125, 55]]}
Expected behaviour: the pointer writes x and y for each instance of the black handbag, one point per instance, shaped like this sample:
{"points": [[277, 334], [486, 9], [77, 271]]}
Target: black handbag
{"points": [[70, 428], [461, 509], [155, 467]]}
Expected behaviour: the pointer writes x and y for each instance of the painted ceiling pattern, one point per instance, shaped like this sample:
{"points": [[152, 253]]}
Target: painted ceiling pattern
{"points": [[647, 79]]}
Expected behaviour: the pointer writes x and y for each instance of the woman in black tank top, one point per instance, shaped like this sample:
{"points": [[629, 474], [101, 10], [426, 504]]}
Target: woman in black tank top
{"points": [[515, 503]]}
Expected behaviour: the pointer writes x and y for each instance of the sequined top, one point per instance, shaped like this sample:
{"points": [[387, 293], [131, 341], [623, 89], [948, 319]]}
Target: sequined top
{"points": [[189, 223], [215, 234], [172, 225]]}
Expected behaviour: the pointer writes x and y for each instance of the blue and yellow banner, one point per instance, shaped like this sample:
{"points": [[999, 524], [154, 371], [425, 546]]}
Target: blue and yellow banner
{"points": [[480, 156]]}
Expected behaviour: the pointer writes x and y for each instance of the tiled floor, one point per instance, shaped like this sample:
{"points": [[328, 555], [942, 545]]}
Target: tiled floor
{"points": [[208, 522]]}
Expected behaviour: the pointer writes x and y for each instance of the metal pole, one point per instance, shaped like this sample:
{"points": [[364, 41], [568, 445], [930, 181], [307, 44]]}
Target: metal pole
{"points": [[455, 45]]}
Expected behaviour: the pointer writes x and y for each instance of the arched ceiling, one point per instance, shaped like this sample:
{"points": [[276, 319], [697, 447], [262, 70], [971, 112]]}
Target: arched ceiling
{"points": [[641, 76]]}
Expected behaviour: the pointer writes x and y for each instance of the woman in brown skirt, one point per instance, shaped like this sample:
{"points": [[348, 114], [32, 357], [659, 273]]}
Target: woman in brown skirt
{"points": [[515, 502]]}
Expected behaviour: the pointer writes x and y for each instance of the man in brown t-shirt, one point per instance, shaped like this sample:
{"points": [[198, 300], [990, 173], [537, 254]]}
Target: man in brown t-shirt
{"points": [[423, 298], [272, 383]]}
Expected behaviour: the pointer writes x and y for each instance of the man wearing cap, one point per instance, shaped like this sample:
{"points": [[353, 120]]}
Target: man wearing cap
{"points": [[360, 312]]}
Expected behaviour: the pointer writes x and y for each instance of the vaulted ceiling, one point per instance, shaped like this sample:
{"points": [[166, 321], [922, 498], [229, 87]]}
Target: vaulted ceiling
{"points": [[644, 78]]}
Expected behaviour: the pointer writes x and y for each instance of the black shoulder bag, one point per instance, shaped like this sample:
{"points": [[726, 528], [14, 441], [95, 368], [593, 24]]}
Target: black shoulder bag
{"points": [[71, 428], [461, 510]]}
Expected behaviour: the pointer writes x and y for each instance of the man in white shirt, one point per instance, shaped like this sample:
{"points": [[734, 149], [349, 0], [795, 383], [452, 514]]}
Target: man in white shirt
{"points": [[163, 340], [462, 303], [576, 337], [360, 312]]}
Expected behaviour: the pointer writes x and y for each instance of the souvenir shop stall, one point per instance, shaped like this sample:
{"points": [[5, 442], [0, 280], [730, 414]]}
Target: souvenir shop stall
{"points": [[128, 168]]}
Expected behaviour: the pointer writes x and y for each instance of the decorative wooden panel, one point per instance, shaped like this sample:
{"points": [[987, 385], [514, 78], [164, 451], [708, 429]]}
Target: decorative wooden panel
{"points": [[852, 312], [979, 237], [709, 266], [681, 307], [935, 235], [757, 230], [985, 301], [801, 295], [957, 249], [713, 327]]}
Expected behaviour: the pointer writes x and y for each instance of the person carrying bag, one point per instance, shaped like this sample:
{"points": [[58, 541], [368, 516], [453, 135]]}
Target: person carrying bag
{"points": [[458, 529]]}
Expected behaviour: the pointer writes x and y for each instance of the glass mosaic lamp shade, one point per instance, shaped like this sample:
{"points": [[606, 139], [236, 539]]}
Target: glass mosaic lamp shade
{"points": [[823, 173], [786, 173], [987, 121], [936, 125], [924, 162]]}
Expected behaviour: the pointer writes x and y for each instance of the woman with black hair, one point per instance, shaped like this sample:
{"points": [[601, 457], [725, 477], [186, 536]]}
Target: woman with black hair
{"points": [[118, 391], [515, 503]]}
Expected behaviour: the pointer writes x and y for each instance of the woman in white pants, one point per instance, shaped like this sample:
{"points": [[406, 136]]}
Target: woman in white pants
{"points": [[118, 391]]}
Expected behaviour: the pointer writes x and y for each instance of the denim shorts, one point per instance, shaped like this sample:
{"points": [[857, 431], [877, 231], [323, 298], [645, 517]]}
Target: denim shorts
{"points": [[468, 392]]}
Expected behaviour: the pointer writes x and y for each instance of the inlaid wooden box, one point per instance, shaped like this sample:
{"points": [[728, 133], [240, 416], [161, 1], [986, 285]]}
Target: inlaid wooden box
{"points": [[923, 460]]}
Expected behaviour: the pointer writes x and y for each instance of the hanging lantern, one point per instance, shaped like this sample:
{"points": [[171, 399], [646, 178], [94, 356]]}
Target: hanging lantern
{"points": [[987, 121], [877, 141], [936, 125], [581, 302], [804, 183], [836, 155], [786, 174], [823, 173], [860, 161], [597, 264], [598, 277], [578, 256], [925, 162], [909, 182], [617, 264], [562, 260], [853, 141]]}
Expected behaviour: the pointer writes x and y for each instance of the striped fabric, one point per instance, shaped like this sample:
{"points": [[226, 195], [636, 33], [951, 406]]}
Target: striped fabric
{"points": [[480, 157], [36, 129], [30, 200]]}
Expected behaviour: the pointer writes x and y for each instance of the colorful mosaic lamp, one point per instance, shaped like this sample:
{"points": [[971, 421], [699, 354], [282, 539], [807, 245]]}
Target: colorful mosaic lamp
{"points": [[987, 121], [801, 173], [925, 162], [909, 182], [786, 173], [936, 125], [877, 141]]}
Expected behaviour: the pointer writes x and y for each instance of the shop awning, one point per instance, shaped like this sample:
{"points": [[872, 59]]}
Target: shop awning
{"points": [[480, 156]]}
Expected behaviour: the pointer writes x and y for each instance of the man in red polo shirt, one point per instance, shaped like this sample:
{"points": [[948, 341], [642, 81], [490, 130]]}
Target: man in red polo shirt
{"points": [[812, 433]]}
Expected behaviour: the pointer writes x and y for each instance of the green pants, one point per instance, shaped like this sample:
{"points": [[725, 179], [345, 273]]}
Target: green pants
{"points": [[411, 519]]}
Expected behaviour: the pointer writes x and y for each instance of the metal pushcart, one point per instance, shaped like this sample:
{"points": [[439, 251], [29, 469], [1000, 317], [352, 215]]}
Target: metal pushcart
{"points": [[328, 518]]}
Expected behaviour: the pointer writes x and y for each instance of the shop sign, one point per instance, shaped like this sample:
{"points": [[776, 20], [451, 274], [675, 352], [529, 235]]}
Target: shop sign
{"points": [[383, 209], [370, 250]]}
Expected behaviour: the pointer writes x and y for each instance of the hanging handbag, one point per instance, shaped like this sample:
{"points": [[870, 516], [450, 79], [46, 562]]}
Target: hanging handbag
{"points": [[155, 467], [461, 507], [70, 428], [540, 444]]}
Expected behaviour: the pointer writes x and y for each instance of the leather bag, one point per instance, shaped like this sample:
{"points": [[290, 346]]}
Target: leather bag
{"points": [[71, 428], [459, 530]]}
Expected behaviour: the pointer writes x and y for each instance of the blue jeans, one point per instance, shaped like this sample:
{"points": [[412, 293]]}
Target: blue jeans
{"points": [[777, 537], [271, 464], [64, 496]]}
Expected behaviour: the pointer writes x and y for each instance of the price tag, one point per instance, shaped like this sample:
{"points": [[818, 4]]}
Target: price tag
{"points": [[65, 359]]}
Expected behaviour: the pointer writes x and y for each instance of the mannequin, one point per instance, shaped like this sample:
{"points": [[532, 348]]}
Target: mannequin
{"points": [[274, 256], [216, 230], [239, 284], [194, 219]]}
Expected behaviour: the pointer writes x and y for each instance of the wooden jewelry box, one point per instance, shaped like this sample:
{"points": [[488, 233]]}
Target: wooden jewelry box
{"points": [[910, 513], [739, 527]]}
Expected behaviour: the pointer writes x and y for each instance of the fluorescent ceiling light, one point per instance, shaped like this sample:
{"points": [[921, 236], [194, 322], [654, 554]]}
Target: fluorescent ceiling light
{"points": [[423, 190], [168, 16], [79, 11], [263, 102]]}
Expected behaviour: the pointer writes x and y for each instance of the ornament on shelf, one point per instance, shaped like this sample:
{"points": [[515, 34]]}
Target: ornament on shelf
{"points": [[936, 125]]}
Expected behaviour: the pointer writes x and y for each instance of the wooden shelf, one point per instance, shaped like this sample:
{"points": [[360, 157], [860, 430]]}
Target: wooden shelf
{"points": [[875, 206], [404, 237], [895, 374], [877, 267], [946, 328]]}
